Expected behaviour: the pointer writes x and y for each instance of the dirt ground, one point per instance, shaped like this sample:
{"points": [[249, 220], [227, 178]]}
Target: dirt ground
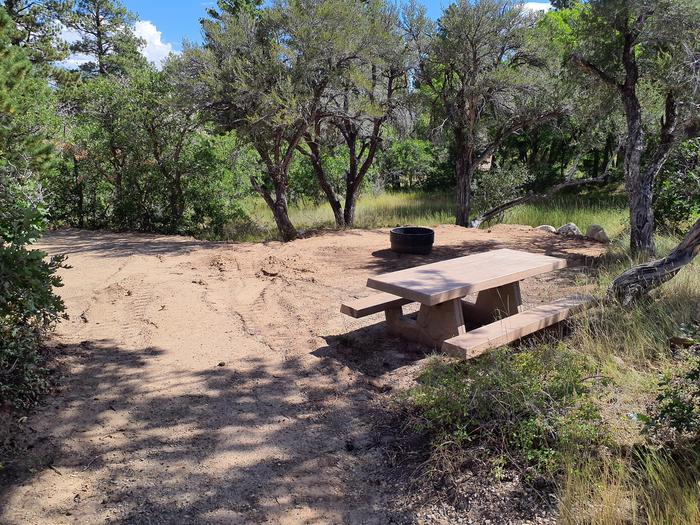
{"points": [[218, 383]]}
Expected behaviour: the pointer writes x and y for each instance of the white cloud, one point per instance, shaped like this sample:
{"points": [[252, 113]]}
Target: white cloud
{"points": [[155, 50], [537, 6], [75, 60]]}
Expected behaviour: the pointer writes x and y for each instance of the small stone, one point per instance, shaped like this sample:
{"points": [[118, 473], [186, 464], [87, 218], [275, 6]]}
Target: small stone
{"points": [[222, 363], [597, 233], [547, 228], [570, 230]]}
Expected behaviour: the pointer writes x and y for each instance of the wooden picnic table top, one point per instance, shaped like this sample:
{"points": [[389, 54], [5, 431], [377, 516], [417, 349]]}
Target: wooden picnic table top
{"points": [[436, 283]]}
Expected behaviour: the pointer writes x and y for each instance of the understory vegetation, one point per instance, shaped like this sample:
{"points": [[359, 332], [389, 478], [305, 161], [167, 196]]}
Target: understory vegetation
{"points": [[391, 209], [608, 415]]}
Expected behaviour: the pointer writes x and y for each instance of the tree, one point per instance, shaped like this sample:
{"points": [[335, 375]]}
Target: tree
{"points": [[107, 37], [37, 28], [646, 53], [169, 126], [251, 76], [486, 84], [364, 61], [28, 306]]}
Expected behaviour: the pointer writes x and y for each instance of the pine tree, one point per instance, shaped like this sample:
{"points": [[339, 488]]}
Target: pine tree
{"points": [[107, 37], [37, 28]]}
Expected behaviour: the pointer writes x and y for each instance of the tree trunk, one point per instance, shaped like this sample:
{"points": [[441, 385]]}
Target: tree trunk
{"points": [[463, 174], [316, 161], [638, 184], [334, 203], [176, 207], [278, 206], [350, 202], [281, 212], [638, 281], [80, 190]]}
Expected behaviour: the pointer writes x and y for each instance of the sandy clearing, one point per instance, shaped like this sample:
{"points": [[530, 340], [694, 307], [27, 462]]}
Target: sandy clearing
{"points": [[148, 428]]}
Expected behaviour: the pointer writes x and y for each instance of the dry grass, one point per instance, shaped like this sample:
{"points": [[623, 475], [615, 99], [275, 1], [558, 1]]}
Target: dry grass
{"points": [[632, 348], [385, 210]]}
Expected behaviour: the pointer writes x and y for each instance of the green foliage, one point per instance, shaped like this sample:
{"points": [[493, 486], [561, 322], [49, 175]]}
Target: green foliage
{"points": [[107, 37], [28, 306], [409, 163], [500, 184], [529, 405], [677, 406], [37, 28], [139, 158], [677, 198]]}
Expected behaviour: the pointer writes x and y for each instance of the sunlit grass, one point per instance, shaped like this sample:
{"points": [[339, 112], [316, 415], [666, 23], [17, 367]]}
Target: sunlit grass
{"points": [[609, 212], [386, 210]]}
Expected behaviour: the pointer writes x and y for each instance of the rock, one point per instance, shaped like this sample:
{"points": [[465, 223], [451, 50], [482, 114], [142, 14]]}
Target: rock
{"points": [[570, 230], [547, 228], [597, 233]]}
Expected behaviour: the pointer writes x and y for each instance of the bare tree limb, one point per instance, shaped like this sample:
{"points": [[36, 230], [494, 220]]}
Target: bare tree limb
{"points": [[524, 199], [595, 70], [638, 281]]}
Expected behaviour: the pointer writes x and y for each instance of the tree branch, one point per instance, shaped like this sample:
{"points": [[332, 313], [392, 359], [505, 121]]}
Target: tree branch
{"points": [[591, 68]]}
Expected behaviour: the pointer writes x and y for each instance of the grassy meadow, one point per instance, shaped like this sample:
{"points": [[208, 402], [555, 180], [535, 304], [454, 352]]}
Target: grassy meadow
{"points": [[385, 210]]}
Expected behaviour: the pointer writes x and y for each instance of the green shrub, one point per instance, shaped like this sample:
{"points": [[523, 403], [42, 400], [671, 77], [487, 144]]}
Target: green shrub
{"points": [[28, 306], [409, 163], [529, 406], [500, 184], [677, 198], [677, 406]]}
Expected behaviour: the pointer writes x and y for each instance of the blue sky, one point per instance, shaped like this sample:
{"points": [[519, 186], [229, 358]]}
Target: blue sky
{"points": [[172, 21]]}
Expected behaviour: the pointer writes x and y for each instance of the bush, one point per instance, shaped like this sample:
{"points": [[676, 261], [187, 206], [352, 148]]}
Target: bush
{"points": [[677, 406], [500, 184], [677, 199], [409, 163], [28, 306], [528, 406]]}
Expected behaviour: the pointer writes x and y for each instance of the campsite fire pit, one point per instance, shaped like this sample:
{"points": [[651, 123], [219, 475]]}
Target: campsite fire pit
{"points": [[412, 239]]}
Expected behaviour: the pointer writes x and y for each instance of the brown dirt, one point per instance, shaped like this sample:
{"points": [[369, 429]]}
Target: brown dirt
{"points": [[218, 383]]}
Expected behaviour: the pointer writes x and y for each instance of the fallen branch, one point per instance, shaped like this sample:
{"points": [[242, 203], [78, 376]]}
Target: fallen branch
{"points": [[638, 281], [501, 208]]}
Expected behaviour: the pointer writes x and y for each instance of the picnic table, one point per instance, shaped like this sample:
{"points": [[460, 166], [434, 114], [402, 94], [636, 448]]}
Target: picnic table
{"points": [[459, 326]]}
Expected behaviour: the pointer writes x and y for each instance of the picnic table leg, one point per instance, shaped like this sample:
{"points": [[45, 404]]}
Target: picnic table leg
{"points": [[494, 304], [433, 325]]}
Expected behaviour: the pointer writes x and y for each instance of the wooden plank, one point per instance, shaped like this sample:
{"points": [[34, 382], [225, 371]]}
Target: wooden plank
{"points": [[509, 329], [439, 282], [372, 304]]}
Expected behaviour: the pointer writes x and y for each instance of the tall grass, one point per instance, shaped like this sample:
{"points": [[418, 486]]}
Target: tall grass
{"points": [[608, 211], [631, 347], [652, 488], [386, 210]]}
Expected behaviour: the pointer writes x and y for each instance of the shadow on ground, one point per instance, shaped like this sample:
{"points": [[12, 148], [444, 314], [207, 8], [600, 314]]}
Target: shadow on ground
{"points": [[114, 244], [166, 449]]}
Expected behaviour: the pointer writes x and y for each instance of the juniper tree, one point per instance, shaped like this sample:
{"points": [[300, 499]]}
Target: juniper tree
{"points": [[485, 83], [646, 52]]}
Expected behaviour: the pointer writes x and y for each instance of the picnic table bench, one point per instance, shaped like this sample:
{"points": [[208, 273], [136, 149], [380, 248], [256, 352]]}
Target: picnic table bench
{"points": [[462, 327]]}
